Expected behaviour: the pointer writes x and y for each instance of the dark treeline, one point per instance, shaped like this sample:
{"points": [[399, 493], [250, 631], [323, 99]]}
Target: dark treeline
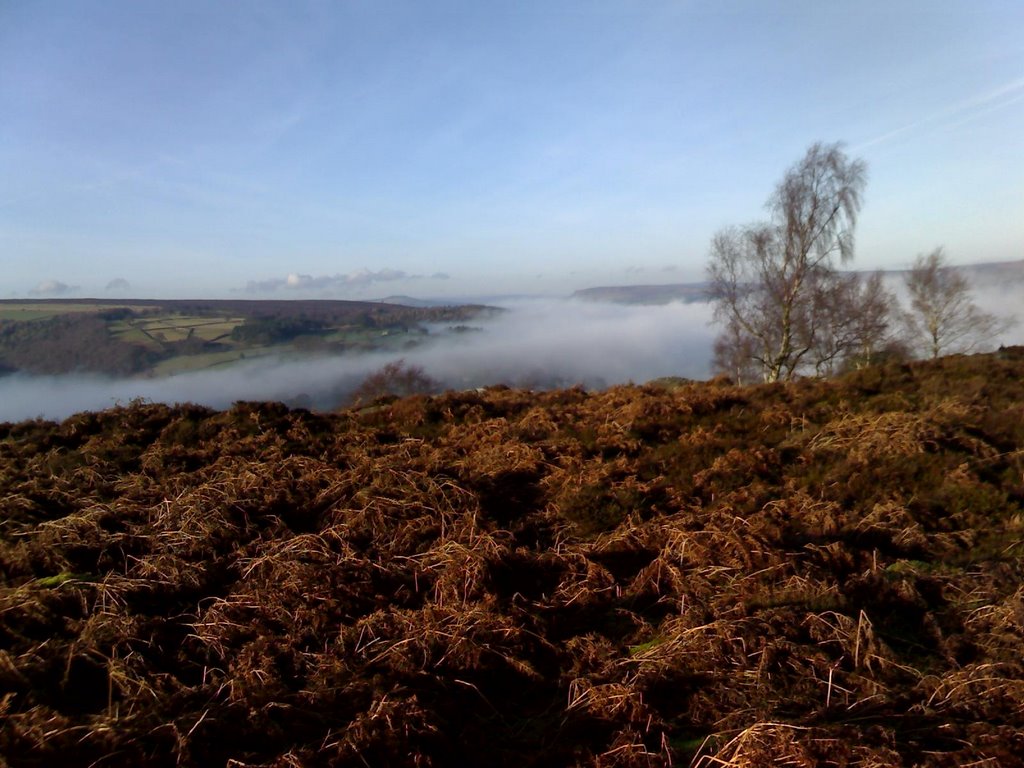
{"points": [[68, 343]]}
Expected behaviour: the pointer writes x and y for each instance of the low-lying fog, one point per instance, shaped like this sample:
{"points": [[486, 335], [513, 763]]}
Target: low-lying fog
{"points": [[536, 343]]}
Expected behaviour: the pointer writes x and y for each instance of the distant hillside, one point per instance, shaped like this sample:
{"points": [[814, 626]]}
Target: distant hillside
{"points": [[145, 336], [827, 572], [409, 301], [645, 294], [995, 272], [984, 274]]}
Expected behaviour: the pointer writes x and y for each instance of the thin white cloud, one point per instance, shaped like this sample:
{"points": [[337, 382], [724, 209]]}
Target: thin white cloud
{"points": [[339, 284], [963, 111], [303, 283], [53, 288]]}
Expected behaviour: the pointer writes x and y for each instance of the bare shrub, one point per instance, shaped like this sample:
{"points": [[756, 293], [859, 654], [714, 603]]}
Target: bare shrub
{"points": [[396, 379]]}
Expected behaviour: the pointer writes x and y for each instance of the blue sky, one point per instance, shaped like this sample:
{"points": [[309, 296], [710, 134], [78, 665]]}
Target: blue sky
{"points": [[359, 149]]}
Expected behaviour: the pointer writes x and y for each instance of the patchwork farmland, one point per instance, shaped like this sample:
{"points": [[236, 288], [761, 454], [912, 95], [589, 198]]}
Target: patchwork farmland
{"points": [[150, 337]]}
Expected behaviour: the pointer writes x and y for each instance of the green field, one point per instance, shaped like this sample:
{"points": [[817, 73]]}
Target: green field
{"points": [[360, 339], [180, 327], [185, 363], [43, 310], [156, 330], [129, 334]]}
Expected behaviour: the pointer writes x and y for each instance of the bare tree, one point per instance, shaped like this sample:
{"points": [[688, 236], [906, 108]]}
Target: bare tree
{"points": [[943, 319], [735, 355], [770, 280], [855, 322]]}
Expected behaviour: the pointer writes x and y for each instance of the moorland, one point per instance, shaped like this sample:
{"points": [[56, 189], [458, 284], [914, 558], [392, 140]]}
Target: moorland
{"points": [[162, 337], [817, 572]]}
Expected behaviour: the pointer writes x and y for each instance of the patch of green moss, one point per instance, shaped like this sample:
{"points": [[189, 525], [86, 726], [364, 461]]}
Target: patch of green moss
{"points": [[52, 582]]}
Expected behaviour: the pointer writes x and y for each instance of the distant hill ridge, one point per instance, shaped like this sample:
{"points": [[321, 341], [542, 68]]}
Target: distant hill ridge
{"points": [[985, 273], [645, 294]]}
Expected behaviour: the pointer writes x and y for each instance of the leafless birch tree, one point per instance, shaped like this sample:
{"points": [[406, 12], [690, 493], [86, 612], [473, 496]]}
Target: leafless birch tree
{"points": [[856, 323], [943, 319], [773, 282]]}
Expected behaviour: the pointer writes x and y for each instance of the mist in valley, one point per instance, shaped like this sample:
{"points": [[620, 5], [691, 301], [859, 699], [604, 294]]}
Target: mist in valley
{"points": [[536, 344], [532, 343]]}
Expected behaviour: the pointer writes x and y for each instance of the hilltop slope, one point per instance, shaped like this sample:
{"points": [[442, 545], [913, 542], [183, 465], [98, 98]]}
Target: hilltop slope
{"points": [[827, 572]]}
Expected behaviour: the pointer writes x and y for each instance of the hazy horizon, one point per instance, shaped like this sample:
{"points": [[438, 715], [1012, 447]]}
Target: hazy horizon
{"points": [[986, 285]]}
